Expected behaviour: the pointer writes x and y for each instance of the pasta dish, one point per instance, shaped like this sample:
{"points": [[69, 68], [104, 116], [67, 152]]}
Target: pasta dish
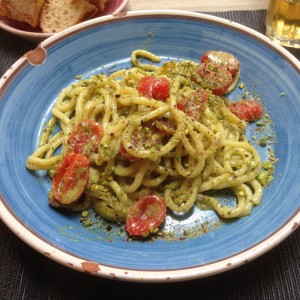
{"points": [[155, 137]]}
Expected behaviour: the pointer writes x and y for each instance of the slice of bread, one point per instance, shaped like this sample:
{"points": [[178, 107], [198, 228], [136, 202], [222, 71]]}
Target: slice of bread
{"points": [[100, 4], [60, 14], [3, 9], [28, 11]]}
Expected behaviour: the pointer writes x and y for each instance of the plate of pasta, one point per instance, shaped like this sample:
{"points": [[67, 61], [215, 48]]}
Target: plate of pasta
{"points": [[149, 134]]}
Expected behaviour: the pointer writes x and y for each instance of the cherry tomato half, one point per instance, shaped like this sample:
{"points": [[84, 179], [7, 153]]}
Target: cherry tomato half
{"points": [[192, 105], [165, 126], [247, 110], [161, 89], [156, 88], [145, 86], [125, 154], [70, 178], [146, 215], [85, 137], [213, 76], [223, 58]]}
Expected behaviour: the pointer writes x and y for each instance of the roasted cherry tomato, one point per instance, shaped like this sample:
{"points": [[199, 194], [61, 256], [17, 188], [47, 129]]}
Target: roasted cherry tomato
{"points": [[165, 126], [223, 58], [126, 155], [156, 88], [192, 105], [161, 89], [213, 76], [247, 110], [146, 216], [85, 137], [145, 86], [70, 178]]}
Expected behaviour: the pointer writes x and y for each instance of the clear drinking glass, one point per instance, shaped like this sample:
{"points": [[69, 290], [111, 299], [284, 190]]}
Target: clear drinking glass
{"points": [[283, 22]]}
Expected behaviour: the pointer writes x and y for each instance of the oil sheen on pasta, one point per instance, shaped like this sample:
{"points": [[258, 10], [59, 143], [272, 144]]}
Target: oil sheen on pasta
{"points": [[198, 156]]}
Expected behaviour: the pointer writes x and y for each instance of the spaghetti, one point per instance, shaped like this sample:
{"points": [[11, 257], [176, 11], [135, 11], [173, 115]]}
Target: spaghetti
{"points": [[178, 148]]}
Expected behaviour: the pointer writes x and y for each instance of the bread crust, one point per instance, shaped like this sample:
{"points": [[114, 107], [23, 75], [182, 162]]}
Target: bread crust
{"points": [[27, 11], [51, 15], [100, 4], [3, 9], [58, 15]]}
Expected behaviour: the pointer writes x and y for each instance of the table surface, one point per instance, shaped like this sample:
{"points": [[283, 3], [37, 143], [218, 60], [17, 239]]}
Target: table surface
{"points": [[199, 5], [26, 274]]}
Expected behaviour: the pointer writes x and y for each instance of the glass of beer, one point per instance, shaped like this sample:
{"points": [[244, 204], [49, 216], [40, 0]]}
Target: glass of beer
{"points": [[283, 22]]}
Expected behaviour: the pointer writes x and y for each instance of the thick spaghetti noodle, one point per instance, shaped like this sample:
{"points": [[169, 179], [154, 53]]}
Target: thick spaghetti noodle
{"points": [[153, 146]]}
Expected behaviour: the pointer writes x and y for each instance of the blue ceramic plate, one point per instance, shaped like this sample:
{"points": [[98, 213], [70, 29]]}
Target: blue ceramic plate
{"points": [[29, 89]]}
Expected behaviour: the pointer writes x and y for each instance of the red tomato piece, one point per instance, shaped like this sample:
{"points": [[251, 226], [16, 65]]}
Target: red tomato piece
{"points": [[70, 178], [247, 110], [126, 155], [145, 86], [213, 76], [146, 216], [86, 137], [189, 107], [161, 89], [156, 88], [223, 58], [192, 105], [165, 126]]}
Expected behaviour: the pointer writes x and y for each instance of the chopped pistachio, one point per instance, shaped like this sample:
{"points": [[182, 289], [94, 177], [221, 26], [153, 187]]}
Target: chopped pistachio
{"points": [[85, 213]]}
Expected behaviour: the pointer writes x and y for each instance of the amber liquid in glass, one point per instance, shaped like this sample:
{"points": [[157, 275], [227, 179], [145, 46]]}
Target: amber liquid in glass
{"points": [[283, 22]]}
